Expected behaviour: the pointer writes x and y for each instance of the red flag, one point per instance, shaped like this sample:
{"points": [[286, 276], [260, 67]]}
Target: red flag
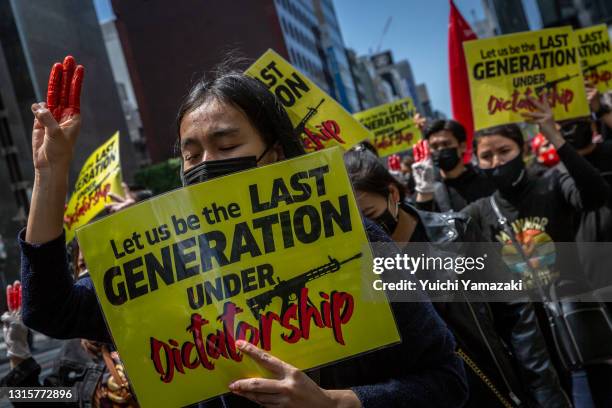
{"points": [[458, 32]]}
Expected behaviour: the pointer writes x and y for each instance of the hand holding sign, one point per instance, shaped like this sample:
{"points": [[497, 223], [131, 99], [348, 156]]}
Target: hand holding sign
{"points": [[119, 203], [543, 116], [593, 96], [506, 71], [181, 284], [290, 387], [57, 123]]}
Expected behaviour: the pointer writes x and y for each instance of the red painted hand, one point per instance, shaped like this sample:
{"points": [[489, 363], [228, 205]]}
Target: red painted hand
{"points": [[13, 296], [57, 122]]}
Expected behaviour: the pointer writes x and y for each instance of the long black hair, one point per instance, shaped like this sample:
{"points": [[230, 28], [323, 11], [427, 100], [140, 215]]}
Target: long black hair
{"points": [[368, 174], [251, 96]]}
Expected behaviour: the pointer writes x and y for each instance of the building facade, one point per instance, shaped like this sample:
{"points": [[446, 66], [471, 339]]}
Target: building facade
{"points": [[577, 13], [196, 36], [302, 39], [33, 35], [426, 108], [368, 86], [343, 85], [405, 71], [125, 91], [379, 79], [506, 16], [396, 77]]}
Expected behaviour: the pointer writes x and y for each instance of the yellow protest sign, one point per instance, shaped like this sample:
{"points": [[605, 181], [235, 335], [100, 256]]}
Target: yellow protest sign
{"points": [[280, 259], [596, 56], [391, 125], [504, 71], [100, 175], [319, 120]]}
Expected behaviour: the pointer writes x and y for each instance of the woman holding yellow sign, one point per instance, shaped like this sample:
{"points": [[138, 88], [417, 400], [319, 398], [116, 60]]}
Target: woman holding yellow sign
{"points": [[225, 125]]}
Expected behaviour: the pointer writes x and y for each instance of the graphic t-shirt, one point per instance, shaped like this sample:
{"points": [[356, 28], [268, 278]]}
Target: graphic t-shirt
{"points": [[543, 215]]}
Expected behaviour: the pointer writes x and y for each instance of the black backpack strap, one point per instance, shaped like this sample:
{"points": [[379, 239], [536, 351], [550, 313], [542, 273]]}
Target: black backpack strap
{"points": [[442, 197]]}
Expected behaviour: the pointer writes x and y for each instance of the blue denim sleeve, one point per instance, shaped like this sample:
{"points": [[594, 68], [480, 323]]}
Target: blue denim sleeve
{"points": [[53, 303]]}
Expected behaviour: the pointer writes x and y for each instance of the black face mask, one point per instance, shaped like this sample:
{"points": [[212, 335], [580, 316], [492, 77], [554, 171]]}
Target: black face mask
{"points": [[446, 159], [387, 221], [578, 134], [211, 169], [509, 176]]}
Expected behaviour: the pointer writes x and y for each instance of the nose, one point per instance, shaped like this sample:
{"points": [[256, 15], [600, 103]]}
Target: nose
{"points": [[208, 156], [497, 161]]}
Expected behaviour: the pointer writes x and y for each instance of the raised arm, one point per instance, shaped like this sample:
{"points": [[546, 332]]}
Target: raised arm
{"points": [[52, 303], [56, 127], [582, 187]]}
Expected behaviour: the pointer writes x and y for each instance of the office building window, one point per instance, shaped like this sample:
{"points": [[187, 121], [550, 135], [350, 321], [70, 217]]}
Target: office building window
{"points": [[284, 24]]}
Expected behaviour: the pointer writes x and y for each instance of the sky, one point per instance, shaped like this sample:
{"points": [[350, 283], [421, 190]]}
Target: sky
{"points": [[418, 33], [104, 9]]}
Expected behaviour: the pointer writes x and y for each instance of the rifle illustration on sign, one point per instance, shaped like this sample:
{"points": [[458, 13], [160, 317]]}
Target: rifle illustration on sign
{"points": [[299, 129], [551, 84], [593, 67], [289, 290]]}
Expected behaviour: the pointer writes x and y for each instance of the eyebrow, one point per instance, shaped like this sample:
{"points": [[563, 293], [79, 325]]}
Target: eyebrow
{"points": [[215, 134], [187, 141], [368, 211]]}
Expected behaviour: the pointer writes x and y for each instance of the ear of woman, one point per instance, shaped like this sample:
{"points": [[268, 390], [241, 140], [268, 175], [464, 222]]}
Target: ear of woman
{"points": [[395, 198]]}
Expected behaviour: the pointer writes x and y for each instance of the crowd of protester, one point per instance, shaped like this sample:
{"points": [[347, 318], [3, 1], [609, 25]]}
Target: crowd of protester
{"points": [[452, 354]]}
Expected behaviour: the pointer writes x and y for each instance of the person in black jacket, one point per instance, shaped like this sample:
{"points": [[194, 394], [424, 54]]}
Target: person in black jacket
{"points": [[229, 117], [542, 212], [457, 183], [495, 379], [595, 225]]}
